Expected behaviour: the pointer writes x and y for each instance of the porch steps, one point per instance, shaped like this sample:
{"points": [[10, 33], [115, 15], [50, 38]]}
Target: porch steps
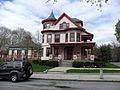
{"points": [[65, 63]]}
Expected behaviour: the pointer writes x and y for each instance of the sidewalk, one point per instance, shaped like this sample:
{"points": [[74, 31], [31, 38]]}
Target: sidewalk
{"points": [[75, 77]]}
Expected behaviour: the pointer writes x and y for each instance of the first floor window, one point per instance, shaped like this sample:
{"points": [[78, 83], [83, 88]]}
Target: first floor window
{"points": [[56, 52], [42, 52], [72, 37], [48, 51], [57, 37]]}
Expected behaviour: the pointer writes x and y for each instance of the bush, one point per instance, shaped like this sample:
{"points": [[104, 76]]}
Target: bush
{"points": [[36, 61], [52, 63], [43, 62], [79, 64]]}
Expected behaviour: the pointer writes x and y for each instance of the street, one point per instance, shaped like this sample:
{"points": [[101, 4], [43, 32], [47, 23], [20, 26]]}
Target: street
{"points": [[34, 84]]}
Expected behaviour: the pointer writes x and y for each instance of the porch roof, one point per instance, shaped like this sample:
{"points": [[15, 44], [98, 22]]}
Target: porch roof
{"points": [[73, 44]]}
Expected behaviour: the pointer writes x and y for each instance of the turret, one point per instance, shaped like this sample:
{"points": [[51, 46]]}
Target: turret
{"points": [[47, 23]]}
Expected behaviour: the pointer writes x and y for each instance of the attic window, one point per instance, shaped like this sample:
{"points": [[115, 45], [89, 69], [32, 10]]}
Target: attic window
{"points": [[64, 25]]}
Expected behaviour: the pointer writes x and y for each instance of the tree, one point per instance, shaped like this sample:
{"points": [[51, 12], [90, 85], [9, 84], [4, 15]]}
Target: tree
{"points": [[105, 53], [117, 31], [93, 2], [115, 52], [5, 36], [18, 36]]}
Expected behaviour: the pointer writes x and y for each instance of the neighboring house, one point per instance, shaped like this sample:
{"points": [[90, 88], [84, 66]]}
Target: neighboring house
{"points": [[66, 39], [19, 52]]}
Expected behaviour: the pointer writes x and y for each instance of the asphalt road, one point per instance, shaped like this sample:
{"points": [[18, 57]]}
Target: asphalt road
{"points": [[33, 84]]}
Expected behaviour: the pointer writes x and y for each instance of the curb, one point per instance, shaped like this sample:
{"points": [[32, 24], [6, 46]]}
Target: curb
{"points": [[99, 80]]}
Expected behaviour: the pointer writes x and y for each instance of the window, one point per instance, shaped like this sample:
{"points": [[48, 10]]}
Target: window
{"points": [[46, 26], [64, 25], [56, 51], [43, 39], [78, 37], [48, 51], [19, 53], [49, 38], [66, 37], [57, 37], [72, 37], [42, 52]]}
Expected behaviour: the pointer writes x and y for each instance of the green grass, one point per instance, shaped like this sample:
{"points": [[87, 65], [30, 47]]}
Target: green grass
{"points": [[1, 62], [91, 71], [36, 67], [39, 68], [109, 65]]}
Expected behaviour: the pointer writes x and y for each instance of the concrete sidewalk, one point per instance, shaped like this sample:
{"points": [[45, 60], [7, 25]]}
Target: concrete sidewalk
{"points": [[76, 77], [59, 73]]}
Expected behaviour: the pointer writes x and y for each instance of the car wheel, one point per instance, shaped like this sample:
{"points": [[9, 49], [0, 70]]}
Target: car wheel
{"points": [[14, 77], [30, 70]]}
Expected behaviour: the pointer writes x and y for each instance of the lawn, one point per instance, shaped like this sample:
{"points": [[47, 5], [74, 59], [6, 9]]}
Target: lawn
{"points": [[91, 71], [36, 67], [39, 68], [109, 65]]}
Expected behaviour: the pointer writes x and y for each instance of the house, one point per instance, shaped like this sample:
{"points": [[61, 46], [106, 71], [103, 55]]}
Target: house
{"points": [[25, 50], [20, 52], [66, 39]]}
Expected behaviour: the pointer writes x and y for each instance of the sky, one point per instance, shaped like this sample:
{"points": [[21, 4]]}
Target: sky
{"points": [[28, 14]]}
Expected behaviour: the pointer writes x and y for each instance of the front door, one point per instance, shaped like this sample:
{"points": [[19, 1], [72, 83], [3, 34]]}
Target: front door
{"points": [[68, 53]]}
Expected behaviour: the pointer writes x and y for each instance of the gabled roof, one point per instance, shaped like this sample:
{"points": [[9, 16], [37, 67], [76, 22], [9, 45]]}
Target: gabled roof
{"points": [[65, 15]]}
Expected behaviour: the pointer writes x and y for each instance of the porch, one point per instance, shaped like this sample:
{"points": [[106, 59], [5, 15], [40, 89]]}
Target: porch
{"points": [[72, 51]]}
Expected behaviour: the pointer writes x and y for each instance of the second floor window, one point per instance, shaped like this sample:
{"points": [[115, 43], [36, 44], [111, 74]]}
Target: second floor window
{"points": [[57, 37], [66, 37], [49, 38], [72, 37], [64, 25], [78, 37], [43, 39]]}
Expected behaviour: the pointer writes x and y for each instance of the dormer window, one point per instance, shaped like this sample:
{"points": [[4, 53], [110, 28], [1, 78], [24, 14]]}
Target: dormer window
{"points": [[64, 25]]}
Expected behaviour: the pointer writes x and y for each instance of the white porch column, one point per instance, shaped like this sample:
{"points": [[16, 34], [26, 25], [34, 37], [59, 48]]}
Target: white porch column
{"points": [[75, 36], [68, 36]]}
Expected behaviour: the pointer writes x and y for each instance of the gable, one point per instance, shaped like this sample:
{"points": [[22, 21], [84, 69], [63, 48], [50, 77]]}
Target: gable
{"points": [[67, 19]]}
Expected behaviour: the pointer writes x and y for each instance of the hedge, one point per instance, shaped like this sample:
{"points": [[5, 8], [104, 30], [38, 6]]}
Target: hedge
{"points": [[79, 64], [46, 63]]}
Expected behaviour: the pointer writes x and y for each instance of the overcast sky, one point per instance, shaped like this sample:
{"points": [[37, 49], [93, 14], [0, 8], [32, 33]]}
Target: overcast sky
{"points": [[28, 14]]}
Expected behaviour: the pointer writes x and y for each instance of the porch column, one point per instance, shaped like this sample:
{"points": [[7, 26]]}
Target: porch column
{"points": [[75, 36], [92, 50], [75, 50], [52, 50]]}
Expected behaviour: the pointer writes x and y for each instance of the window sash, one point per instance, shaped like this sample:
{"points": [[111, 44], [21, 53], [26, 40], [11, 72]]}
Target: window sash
{"points": [[72, 37], [57, 38]]}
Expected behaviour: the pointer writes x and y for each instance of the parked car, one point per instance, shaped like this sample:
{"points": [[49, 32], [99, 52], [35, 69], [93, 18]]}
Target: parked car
{"points": [[16, 70]]}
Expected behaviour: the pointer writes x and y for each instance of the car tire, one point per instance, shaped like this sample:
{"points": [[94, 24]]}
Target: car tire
{"points": [[30, 70], [14, 77]]}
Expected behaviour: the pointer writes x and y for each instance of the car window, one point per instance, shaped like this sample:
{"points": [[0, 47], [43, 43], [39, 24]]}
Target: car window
{"points": [[9, 65]]}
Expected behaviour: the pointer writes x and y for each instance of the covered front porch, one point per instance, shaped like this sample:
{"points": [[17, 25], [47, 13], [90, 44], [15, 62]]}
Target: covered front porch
{"points": [[72, 51]]}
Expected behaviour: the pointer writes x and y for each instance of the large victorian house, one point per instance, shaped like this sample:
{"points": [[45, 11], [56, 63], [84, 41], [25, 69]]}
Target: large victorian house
{"points": [[66, 39]]}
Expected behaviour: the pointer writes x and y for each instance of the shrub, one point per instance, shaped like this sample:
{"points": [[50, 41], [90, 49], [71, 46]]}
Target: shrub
{"points": [[52, 63], [79, 64], [43, 62], [36, 61]]}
